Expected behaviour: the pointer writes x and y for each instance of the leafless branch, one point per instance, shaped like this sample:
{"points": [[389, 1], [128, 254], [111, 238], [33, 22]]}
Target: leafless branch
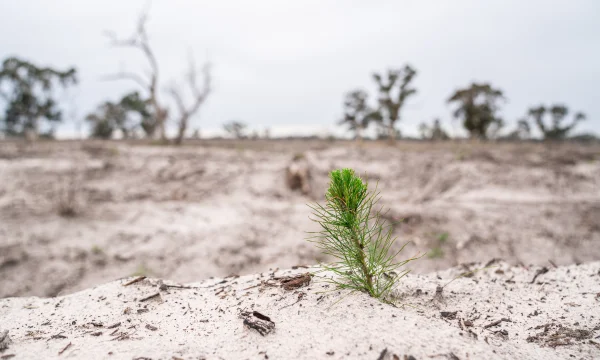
{"points": [[177, 96], [199, 94], [139, 40], [130, 76]]}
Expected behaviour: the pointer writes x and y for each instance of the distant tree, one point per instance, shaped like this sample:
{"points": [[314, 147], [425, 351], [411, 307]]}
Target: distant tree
{"points": [[558, 113], [477, 107], [382, 133], [358, 114], [29, 98], [522, 131], [106, 120], [199, 95], [435, 132], [196, 134], [495, 128], [134, 104], [150, 82], [392, 101], [102, 124], [121, 116], [236, 129], [424, 131]]}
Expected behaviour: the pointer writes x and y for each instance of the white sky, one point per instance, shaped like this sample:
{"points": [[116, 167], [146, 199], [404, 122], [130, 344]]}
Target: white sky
{"points": [[286, 65]]}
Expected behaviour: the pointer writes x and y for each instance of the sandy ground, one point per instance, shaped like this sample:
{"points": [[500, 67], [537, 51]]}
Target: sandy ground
{"points": [[221, 208], [502, 312]]}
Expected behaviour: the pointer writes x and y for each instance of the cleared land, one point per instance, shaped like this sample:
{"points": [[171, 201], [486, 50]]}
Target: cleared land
{"points": [[78, 214]]}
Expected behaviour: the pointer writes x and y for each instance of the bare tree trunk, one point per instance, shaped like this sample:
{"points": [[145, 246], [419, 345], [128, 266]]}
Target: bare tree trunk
{"points": [[149, 81], [200, 95], [358, 137], [391, 133], [161, 119], [183, 124], [162, 133], [32, 133]]}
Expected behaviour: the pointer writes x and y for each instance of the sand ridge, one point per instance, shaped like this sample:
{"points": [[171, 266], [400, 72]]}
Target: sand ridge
{"points": [[500, 312]]}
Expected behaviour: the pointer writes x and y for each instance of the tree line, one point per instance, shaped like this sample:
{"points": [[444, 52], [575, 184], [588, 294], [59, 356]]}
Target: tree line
{"points": [[476, 106], [31, 109], [30, 100]]}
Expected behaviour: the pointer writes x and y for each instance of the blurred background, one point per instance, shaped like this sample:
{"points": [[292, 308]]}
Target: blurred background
{"points": [[183, 139]]}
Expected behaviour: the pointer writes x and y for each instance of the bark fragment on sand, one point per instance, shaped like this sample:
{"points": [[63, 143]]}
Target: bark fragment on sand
{"points": [[4, 340], [137, 279], [259, 322], [294, 282]]}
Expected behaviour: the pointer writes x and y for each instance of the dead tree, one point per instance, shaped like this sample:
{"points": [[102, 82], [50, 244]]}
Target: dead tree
{"points": [[390, 104], [149, 81], [199, 95]]}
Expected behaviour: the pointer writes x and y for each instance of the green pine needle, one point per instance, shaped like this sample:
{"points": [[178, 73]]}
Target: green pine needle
{"points": [[359, 240]]}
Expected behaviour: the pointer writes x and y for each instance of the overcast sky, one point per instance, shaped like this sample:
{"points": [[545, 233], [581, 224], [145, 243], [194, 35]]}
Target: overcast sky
{"points": [[287, 64]]}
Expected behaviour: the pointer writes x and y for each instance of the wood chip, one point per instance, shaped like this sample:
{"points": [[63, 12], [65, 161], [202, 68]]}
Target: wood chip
{"points": [[259, 322], [57, 336], [65, 348], [4, 340], [383, 354], [150, 297], [450, 315], [294, 282], [494, 323], [538, 273]]}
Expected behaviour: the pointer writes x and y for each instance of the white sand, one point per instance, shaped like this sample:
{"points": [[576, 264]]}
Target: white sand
{"points": [[199, 211], [315, 322]]}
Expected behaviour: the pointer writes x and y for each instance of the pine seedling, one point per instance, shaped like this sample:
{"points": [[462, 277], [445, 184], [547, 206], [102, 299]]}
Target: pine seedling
{"points": [[356, 237]]}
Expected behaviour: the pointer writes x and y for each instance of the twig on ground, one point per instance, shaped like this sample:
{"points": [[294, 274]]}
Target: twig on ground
{"points": [[300, 297], [137, 279], [57, 336], [494, 323], [541, 271], [65, 348], [150, 297]]}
